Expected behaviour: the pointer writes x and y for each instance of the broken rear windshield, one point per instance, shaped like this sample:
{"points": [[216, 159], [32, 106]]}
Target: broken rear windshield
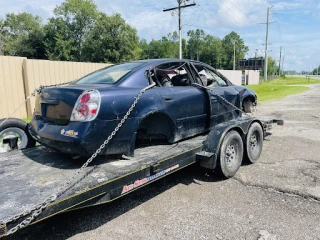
{"points": [[109, 75]]}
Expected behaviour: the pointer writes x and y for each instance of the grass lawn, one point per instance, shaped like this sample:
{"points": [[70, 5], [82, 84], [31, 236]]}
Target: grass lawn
{"points": [[293, 81], [280, 88]]}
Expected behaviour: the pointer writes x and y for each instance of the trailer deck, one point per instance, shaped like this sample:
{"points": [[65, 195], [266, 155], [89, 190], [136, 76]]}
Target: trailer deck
{"points": [[29, 176]]}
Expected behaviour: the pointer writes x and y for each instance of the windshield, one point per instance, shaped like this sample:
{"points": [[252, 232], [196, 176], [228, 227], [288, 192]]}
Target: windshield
{"points": [[109, 75]]}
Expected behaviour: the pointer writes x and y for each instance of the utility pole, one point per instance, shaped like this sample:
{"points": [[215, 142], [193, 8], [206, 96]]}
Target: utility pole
{"points": [[234, 55], [266, 46], [280, 62], [180, 6]]}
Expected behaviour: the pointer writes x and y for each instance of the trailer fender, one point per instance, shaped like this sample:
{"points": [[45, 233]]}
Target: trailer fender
{"points": [[210, 150]]}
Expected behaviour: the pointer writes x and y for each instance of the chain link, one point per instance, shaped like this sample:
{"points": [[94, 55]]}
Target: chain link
{"points": [[54, 85], [38, 209], [225, 100], [33, 94]]}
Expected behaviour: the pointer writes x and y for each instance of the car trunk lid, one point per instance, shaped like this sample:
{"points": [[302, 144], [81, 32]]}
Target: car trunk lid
{"points": [[55, 104]]}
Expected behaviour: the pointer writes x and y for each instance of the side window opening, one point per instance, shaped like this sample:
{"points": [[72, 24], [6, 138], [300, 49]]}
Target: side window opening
{"points": [[172, 74], [211, 78]]}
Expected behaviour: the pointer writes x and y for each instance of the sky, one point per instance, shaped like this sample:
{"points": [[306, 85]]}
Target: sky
{"points": [[293, 23]]}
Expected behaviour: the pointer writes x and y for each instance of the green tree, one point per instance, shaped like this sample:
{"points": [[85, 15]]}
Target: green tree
{"points": [[195, 43], [157, 48], [22, 35], [1, 36], [212, 51], [273, 68], [68, 28], [173, 38], [112, 40], [167, 47], [228, 46], [59, 44], [316, 71], [144, 46]]}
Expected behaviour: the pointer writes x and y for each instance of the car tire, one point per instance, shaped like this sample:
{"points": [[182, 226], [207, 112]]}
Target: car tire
{"points": [[247, 106], [16, 128], [254, 143], [230, 154]]}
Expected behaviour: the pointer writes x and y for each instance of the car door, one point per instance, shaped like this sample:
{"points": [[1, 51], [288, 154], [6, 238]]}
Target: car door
{"points": [[186, 104], [221, 88]]}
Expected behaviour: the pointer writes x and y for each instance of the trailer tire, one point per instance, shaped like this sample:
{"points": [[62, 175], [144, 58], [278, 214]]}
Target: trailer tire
{"points": [[17, 128], [254, 143], [230, 154]]}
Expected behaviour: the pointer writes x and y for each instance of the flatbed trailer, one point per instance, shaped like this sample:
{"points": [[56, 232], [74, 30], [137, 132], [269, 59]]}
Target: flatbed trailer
{"points": [[29, 176]]}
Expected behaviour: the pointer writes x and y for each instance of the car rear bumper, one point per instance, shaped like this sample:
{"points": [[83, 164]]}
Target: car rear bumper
{"points": [[83, 138]]}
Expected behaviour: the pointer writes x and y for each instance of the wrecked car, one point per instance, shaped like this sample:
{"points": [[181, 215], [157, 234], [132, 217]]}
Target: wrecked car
{"points": [[77, 118]]}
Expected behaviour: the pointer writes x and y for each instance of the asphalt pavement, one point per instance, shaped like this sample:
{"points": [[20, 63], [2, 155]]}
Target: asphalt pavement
{"points": [[276, 198]]}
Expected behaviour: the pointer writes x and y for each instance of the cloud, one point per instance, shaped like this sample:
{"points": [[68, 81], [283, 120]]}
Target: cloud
{"points": [[43, 9], [285, 5], [295, 30]]}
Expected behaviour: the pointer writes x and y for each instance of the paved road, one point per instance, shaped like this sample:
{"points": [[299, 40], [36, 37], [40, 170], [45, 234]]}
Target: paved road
{"points": [[276, 198]]}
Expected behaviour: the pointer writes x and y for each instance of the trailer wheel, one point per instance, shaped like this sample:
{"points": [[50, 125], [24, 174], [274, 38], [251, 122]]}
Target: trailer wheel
{"points": [[231, 153], [15, 128], [254, 143]]}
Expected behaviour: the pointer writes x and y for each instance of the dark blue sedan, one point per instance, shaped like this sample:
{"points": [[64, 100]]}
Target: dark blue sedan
{"points": [[77, 118]]}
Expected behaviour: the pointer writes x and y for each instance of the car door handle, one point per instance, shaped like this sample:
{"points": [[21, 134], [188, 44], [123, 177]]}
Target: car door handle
{"points": [[168, 98]]}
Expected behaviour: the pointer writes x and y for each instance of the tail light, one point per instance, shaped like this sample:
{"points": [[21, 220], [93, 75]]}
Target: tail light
{"points": [[87, 106]]}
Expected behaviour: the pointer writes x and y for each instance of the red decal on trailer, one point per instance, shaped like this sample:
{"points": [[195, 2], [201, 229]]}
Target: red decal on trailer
{"points": [[142, 181]]}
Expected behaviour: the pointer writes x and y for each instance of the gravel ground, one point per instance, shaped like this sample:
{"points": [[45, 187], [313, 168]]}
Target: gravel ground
{"points": [[276, 198]]}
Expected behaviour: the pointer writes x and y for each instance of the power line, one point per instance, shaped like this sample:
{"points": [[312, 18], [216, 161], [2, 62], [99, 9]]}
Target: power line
{"points": [[224, 29], [209, 19], [250, 30], [245, 14], [194, 20], [266, 5], [278, 24]]}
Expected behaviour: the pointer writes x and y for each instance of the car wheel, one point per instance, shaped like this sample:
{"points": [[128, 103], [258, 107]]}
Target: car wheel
{"points": [[15, 128], [254, 143], [248, 106], [230, 155]]}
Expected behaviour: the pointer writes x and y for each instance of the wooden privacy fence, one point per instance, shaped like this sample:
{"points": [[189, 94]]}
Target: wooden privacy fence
{"points": [[12, 92], [20, 76]]}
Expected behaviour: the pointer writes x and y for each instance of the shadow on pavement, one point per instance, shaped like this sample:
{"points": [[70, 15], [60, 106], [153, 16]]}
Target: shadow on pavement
{"points": [[68, 224]]}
